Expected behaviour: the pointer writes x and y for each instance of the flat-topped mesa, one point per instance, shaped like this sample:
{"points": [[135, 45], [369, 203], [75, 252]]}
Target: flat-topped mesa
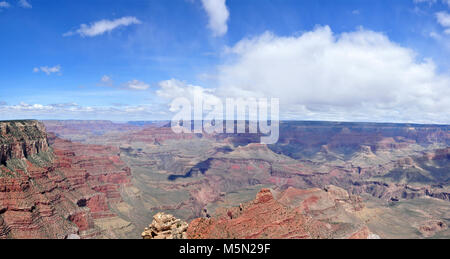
{"points": [[21, 139]]}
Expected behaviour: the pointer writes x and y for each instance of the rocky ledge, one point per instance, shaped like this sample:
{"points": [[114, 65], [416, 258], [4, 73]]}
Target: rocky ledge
{"points": [[165, 226]]}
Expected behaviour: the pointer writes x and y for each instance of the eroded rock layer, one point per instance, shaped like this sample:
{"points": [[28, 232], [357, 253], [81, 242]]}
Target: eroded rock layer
{"points": [[52, 192], [21, 139]]}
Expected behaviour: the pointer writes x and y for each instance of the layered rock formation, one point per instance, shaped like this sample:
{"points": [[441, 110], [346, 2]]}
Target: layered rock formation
{"points": [[293, 213], [21, 139], [165, 226], [52, 192]]}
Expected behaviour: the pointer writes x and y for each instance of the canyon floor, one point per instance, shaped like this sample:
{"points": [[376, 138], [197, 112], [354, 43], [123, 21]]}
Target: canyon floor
{"points": [[342, 180]]}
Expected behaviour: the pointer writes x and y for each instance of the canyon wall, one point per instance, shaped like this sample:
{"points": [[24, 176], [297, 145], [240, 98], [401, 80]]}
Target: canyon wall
{"points": [[21, 139], [58, 190]]}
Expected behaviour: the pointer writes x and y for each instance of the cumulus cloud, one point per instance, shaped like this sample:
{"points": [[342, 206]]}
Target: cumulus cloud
{"points": [[103, 26], [136, 85], [218, 15], [172, 89], [47, 70], [25, 4], [4, 4], [443, 19], [359, 75]]}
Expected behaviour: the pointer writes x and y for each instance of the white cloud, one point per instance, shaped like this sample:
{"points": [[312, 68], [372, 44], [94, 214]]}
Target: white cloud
{"points": [[360, 75], [107, 81], [443, 19], [47, 70], [171, 89], [64, 105], [431, 2], [136, 85], [218, 16], [130, 85], [74, 111], [100, 27], [25, 4], [4, 4]]}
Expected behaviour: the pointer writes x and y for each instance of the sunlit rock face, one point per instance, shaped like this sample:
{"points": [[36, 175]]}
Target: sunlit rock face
{"points": [[21, 139], [53, 188], [165, 226]]}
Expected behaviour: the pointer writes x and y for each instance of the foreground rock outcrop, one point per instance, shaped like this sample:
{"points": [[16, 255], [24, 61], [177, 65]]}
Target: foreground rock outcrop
{"points": [[165, 226]]}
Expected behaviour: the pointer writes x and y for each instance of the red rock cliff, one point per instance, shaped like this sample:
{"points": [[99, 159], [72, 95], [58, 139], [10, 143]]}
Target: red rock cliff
{"points": [[54, 192]]}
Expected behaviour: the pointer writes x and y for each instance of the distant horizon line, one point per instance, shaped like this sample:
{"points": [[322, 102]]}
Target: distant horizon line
{"points": [[281, 121]]}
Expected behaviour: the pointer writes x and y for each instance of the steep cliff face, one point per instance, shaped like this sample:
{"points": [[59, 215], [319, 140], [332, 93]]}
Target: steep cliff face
{"points": [[21, 139], [52, 192]]}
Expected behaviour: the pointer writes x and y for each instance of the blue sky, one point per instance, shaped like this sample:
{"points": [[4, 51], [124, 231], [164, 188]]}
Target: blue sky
{"points": [[130, 53]]}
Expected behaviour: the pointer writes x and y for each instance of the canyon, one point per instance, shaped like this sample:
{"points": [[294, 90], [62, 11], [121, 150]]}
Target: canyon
{"points": [[100, 179]]}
